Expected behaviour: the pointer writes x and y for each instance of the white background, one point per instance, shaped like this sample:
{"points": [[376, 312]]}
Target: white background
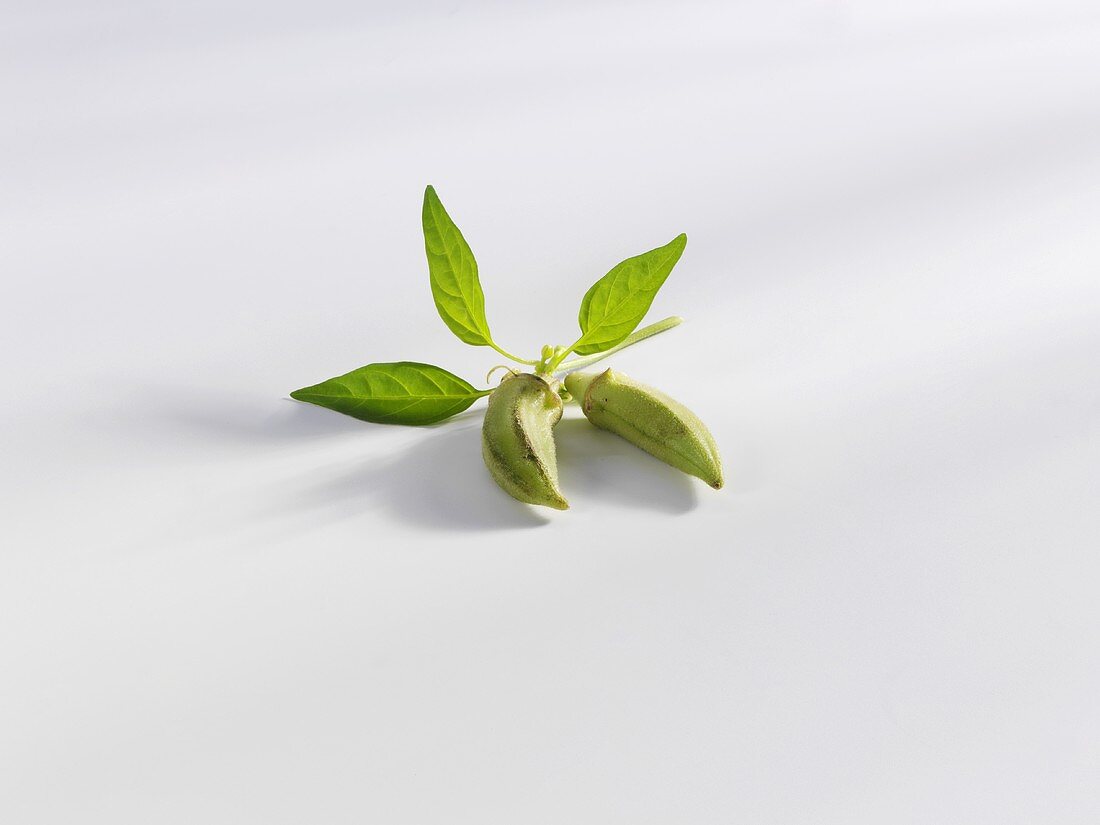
{"points": [[220, 606]]}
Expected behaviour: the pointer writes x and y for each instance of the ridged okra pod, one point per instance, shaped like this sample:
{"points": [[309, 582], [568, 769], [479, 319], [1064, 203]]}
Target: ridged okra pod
{"points": [[517, 440], [648, 419]]}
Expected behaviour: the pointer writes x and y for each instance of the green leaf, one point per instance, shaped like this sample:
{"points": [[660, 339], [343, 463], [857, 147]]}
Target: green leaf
{"points": [[616, 303], [455, 285], [403, 392]]}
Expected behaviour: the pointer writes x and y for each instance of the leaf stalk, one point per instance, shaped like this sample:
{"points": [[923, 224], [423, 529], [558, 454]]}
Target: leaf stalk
{"points": [[633, 338]]}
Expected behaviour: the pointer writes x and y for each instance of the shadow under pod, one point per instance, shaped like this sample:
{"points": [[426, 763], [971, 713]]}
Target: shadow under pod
{"points": [[596, 466], [438, 483], [441, 483]]}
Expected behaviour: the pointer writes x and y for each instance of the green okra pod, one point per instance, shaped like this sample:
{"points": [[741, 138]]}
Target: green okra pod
{"points": [[517, 440], [648, 419]]}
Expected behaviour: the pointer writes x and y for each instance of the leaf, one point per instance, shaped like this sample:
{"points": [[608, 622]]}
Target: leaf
{"points": [[618, 302], [403, 392], [453, 270]]}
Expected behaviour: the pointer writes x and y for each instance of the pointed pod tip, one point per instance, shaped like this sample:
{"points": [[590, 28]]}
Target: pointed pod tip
{"points": [[553, 499]]}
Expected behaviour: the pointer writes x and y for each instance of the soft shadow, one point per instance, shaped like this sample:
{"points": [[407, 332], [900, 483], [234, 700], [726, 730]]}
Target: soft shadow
{"points": [[163, 412], [595, 465], [291, 420], [159, 413], [439, 483]]}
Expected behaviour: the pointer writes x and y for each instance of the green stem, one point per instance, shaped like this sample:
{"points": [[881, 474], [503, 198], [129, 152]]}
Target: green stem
{"points": [[515, 358], [633, 338]]}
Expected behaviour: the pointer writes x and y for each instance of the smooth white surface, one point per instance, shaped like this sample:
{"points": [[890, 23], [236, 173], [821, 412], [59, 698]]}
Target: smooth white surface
{"points": [[220, 606]]}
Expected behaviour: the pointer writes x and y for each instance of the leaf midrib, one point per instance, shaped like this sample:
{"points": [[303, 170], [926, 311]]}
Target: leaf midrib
{"points": [[365, 398]]}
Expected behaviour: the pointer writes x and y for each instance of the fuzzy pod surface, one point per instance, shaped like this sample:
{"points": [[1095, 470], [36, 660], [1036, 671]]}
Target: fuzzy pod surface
{"points": [[517, 440], [649, 419]]}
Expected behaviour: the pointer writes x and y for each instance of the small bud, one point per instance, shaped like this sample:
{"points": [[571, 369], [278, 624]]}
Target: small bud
{"points": [[517, 440], [648, 419]]}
